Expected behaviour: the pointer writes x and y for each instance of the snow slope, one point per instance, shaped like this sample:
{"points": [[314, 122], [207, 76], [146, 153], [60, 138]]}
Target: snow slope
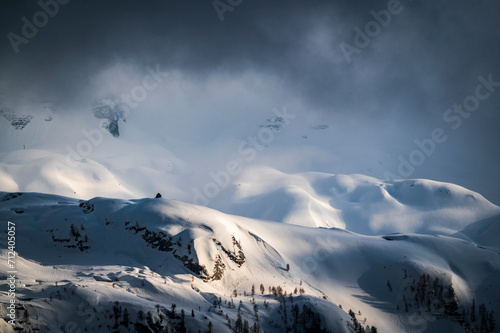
{"points": [[42, 171], [404, 255], [357, 203], [483, 232], [75, 256], [73, 155]]}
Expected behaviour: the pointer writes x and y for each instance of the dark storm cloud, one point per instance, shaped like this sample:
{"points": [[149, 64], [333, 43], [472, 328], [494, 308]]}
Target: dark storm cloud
{"points": [[438, 43], [428, 46], [426, 59]]}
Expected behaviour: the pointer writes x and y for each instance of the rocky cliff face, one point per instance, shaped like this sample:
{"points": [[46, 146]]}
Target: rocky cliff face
{"points": [[18, 122], [112, 113]]}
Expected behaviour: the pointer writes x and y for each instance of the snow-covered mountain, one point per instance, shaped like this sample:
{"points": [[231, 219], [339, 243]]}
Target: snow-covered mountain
{"points": [[272, 251], [357, 203], [94, 265]]}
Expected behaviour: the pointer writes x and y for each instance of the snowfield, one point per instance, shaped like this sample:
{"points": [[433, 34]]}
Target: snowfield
{"points": [[271, 252], [150, 264]]}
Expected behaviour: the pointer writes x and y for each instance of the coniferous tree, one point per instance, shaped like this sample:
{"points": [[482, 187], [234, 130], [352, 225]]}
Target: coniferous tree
{"points": [[72, 230], [218, 268], [255, 328], [355, 323], [173, 308], [389, 286], [451, 307], [473, 311], [483, 326], [238, 324], [116, 312], [126, 318], [149, 318], [182, 324], [295, 317], [140, 315], [285, 315]]}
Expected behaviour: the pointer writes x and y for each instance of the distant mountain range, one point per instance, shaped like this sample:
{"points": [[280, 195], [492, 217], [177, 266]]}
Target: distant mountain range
{"points": [[153, 265], [98, 251]]}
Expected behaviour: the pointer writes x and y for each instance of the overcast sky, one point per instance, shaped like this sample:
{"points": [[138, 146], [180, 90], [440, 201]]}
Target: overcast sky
{"points": [[264, 54]]}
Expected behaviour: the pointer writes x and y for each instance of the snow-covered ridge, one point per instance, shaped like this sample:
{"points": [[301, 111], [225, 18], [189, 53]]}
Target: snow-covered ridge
{"points": [[357, 203], [77, 255]]}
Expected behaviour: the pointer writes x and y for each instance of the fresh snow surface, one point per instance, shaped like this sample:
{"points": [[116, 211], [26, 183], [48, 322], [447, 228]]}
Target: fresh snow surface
{"points": [[409, 255], [76, 258], [357, 203]]}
